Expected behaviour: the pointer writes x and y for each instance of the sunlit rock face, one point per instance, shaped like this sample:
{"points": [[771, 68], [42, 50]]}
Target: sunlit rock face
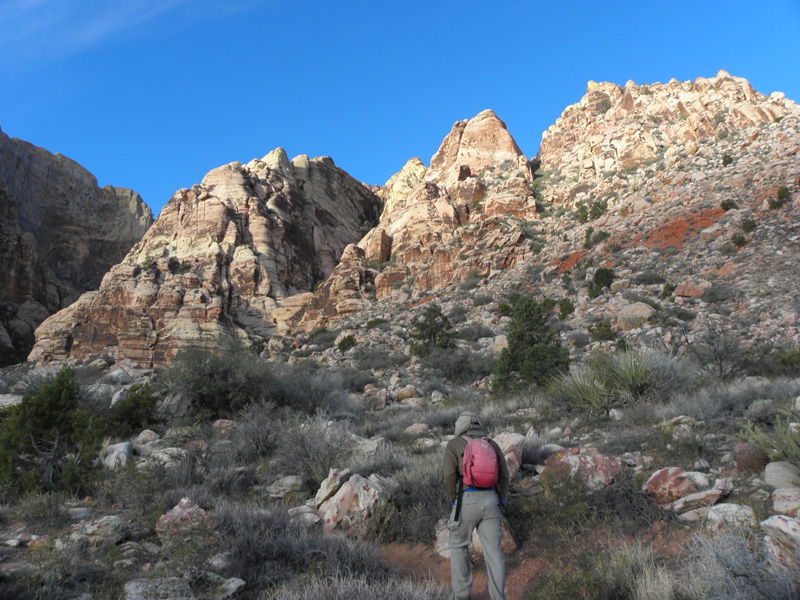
{"points": [[59, 234], [220, 259]]}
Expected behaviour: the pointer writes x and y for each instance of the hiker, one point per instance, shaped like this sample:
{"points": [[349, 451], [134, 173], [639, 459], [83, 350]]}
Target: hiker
{"points": [[476, 497]]}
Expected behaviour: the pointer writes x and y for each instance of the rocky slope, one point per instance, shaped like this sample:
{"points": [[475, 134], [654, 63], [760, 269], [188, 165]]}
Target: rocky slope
{"points": [[59, 234], [670, 185], [218, 259]]}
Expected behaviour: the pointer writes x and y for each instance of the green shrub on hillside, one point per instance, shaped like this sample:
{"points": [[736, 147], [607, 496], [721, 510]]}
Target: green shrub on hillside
{"points": [[432, 331], [48, 441], [221, 380], [781, 442], [534, 352]]}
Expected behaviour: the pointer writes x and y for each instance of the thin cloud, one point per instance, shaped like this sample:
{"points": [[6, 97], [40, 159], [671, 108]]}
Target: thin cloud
{"points": [[42, 31]]}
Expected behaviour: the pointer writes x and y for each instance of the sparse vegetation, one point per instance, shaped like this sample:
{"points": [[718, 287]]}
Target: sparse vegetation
{"points": [[432, 331]]}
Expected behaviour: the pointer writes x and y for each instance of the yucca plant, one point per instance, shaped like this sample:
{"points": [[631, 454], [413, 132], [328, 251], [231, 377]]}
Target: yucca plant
{"points": [[583, 389]]}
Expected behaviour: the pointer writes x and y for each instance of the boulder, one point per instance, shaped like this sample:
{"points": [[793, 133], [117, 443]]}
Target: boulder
{"points": [[634, 315], [103, 531], [724, 517], [330, 485], [782, 541], [597, 471], [158, 588], [184, 518], [781, 474], [511, 446], [786, 501], [352, 506], [284, 487], [708, 497], [118, 455], [667, 485]]}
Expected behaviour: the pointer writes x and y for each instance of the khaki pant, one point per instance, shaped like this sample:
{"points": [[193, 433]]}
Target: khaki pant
{"points": [[482, 510]]}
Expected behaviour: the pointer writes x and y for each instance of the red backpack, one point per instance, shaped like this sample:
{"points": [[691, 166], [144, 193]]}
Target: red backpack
{"points": [[480, 463]]}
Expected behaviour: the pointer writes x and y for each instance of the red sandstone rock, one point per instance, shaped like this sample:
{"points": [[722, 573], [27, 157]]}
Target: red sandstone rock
{"points": [[668, 485]]}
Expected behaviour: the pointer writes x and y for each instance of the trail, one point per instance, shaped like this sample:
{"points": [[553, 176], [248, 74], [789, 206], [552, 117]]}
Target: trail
{"points": [[422, 562]]}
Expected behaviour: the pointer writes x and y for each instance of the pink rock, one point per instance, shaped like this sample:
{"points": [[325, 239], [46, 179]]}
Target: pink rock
{"points": [[723, 487], [407, 392], [352, 507], [687, 289], [183, 517], [223, 426], [749, 459], [511, 445], [786, 501], [783, 543], [417, 428], [330, 486], [668, 485], [597, 471]]}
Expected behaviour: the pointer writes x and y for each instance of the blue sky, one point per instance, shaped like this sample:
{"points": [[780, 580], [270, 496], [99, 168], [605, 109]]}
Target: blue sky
{"points": [[152, 94]]}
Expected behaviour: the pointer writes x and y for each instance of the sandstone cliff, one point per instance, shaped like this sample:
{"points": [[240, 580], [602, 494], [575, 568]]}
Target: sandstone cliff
{"points": [[220, 258], [59, 234]]}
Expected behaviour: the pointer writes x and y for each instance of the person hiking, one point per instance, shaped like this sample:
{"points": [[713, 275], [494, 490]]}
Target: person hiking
{"points": [[476, 504]]}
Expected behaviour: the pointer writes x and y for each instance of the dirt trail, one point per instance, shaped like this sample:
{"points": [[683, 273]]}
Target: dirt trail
{"points": [[422, 562]]}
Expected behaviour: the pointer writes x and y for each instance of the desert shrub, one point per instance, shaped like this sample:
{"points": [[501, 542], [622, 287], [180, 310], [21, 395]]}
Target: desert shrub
{"points": [[268, 548], [371, 358], [602, 331], [133, 413], [47, 441], [482, 300], [622, 379], [505, 309], [432, 331], [565, 308], [728, 204], [780, 442], [56, 575], [354, 380], [632, 572], [43, 510], [387, 459], [582, 389], [415, 501], [648, 278], [459, 365], [474, 332], [784, 361], [311, 387], [721, 351], [722, 402], [472, 280], [373, 323], [748, 225], [603, 277], [534, 352], [457, 314], [221, 380], [309, 447], [342, 587], [256, 431], [738, 239], [733, 566], [346, 343], [727, 159]]}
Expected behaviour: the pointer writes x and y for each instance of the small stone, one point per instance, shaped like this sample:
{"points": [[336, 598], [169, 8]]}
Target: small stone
{"points": [[786, 501], [726, 516]]}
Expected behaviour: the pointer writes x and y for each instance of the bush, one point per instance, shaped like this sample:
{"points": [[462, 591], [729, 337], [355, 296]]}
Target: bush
{"points": [[722, 352], [603, 277], [47, 442], [648, 278], [748, 225], [781, 197], [727, 159], [504, 309], [343, 587], [728, 204], [565, 308], [474, 332], [221, 380], [782, 442], [346, 343], [459, 366], [43, 510], [415, 502], [310, 447], [739, 240], [534, 352], [602, 331], [732, 565], [133, 413], [370, 358], [432, 331], [472, 280]]}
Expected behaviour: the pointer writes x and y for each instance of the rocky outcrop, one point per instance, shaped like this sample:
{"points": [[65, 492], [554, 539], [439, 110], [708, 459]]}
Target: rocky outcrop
{"points": [[59, 234], [615, 127], [221, 258], [440, 225]]}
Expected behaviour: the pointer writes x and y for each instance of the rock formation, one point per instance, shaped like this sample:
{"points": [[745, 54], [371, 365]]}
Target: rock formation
{"points": [[59, 234], [220, 258]]}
